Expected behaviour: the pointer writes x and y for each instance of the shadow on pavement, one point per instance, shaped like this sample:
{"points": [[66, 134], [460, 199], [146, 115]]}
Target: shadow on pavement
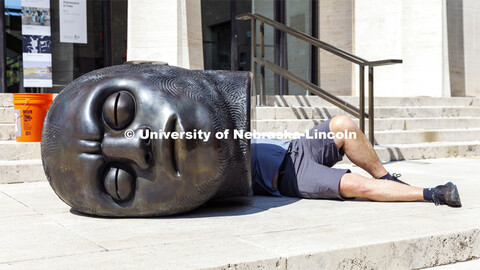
{"points": [[221, 207]]}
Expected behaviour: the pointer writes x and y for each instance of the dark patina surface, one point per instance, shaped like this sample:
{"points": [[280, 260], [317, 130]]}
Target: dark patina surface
{"points": [[96, 170]]}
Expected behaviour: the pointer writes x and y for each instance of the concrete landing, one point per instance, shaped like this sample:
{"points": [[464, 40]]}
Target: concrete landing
{"points": [[38, 231]]}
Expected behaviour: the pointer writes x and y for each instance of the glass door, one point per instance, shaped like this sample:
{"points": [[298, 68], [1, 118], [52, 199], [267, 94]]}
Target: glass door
{"points": [[286, 51], [298, 15]]}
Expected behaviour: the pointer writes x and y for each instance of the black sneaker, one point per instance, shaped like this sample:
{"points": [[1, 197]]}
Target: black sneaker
{"points": [[395, 177], [446, 194]]}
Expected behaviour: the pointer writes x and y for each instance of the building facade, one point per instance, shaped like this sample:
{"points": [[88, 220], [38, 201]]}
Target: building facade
{"points": [[438, 41], [37, 55]]}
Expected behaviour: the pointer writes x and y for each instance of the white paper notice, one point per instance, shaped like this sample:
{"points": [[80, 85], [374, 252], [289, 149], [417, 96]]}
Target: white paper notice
{"points": [[73, 21], [36, 43]]}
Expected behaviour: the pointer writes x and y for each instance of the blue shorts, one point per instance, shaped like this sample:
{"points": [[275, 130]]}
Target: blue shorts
{"points": [[306, 171]]}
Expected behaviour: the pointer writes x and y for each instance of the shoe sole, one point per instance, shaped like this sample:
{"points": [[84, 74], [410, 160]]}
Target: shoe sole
{"points": [[454, 196]]}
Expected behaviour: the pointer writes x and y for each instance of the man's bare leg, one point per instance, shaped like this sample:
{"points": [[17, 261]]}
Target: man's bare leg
{"points": [[361, 152], [355, 185], [358, 150]]}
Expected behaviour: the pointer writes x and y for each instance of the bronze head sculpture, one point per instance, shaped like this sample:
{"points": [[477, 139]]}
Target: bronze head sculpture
{"points": [[98, 162]]}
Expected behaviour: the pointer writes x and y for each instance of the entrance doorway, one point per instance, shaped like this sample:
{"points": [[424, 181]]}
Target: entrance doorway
{"points": [[227, 42]]}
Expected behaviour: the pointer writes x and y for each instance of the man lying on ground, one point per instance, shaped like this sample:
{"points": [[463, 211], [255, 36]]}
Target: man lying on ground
{"points": [[303, 168]]}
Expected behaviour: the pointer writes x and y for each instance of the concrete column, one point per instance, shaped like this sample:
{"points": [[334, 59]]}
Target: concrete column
{"points": [[410, 30], [336, 28], [463, 33], [471, 27], [378, 35], [456, 48], [194, 33], [167, 30]]}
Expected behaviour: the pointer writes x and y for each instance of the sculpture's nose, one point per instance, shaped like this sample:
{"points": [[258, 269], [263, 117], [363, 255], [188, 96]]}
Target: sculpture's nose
{"points": [[126, 148]]}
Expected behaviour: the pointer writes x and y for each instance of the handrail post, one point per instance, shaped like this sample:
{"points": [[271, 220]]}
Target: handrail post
{"points": [[262, 67], [361, 96], [253, 64], [370, 106]]}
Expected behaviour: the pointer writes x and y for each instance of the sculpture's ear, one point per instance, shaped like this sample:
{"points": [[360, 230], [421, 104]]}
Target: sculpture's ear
{"points": [[235, 87], [233, 82], [238, 86]]}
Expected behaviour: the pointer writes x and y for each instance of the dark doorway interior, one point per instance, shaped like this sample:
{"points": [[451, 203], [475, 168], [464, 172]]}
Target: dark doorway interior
{"points": [[219, 31], [227, 42]]}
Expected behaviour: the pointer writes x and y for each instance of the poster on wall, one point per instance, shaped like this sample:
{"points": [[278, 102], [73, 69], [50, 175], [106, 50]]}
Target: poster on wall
{"points": [[36, 43], [73, 21], [37, 70]]}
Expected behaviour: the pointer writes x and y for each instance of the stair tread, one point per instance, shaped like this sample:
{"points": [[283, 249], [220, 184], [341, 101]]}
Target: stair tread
{"points": [[428, 130], [376, 107], [404, 145], [380, 97], [13, 142], [21, 162], [387, 119]]}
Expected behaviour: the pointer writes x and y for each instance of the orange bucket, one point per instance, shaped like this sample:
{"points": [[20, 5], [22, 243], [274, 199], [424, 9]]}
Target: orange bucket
{"points": [[30, 111]]}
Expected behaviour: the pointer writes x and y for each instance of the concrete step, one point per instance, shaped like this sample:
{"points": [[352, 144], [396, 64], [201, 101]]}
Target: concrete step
{"points": [[394, 136], [264, 113], [12, 150], [473, 264], [288, 233], [31, 170], [419, 136], [416, 151], [312, 101], [380, 123], [7, 132], [6, 100], [6, 115], [18, 171]]}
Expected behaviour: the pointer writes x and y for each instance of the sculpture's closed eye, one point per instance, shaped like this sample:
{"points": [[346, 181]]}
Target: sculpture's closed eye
{"points": [[119, 110], [119, 184], [118, 113]]}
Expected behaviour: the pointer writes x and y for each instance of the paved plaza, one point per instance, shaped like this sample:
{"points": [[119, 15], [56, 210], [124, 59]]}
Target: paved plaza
{"points": [[39, 231]]}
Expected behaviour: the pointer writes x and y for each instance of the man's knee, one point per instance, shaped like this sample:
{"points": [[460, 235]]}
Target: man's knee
{"points": [[341, 123], [354, 185]]}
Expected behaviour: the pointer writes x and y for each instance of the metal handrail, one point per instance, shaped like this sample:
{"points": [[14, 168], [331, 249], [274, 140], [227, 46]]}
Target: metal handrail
{"points": [[310, 87], [362, 63]]}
